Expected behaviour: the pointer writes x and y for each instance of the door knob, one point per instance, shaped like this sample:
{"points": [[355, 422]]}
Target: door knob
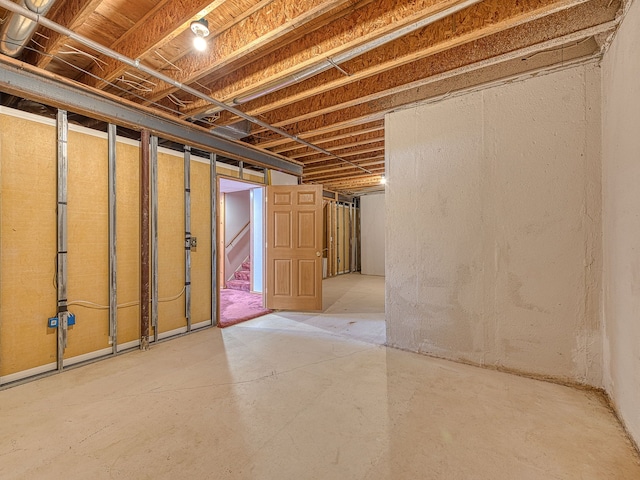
{"points": [[317, 254]]}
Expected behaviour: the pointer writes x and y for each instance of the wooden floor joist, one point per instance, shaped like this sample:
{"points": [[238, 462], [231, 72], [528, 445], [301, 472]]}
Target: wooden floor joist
{"points": [[307, 71], [303, 100]]}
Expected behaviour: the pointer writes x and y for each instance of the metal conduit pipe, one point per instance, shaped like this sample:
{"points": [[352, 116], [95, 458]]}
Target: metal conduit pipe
{"points": [[331, 62], [18, 9], [17, 30]]}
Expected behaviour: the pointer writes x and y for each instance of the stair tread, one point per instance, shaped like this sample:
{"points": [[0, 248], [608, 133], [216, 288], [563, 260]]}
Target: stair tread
{"points": [[239, 285]]}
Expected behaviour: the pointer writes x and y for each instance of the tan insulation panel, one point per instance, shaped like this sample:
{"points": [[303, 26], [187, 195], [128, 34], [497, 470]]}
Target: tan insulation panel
{"points": [[28, 241], [88, 242], [171, 314], [128, 240], [229, 172], [201, 255]]}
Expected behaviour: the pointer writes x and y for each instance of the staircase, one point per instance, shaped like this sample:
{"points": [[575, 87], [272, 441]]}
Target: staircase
{"points": [[241, 278]]}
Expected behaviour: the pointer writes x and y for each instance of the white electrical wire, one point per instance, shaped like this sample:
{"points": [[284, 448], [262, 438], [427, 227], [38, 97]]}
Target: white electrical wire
{"points": [[97, 306]]}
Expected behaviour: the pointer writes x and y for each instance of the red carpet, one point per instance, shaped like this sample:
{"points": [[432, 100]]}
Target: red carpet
{"points": [[237, 306]]}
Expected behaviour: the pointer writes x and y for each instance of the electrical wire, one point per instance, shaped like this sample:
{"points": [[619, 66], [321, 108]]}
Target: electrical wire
{"points": [[97, 77], [160, 76], [97, 306]]}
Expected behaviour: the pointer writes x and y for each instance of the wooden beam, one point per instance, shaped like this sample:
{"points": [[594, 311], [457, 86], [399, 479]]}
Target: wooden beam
{"points": [[71, 14], [356, 28], [268, 141], [164, 23], [278, 18], [145, 248], [388, 67], [339, 167], [333, 162], [333, 135], [472, 57], [358, 181], [323, 177], [349, 152], [345, 143]]}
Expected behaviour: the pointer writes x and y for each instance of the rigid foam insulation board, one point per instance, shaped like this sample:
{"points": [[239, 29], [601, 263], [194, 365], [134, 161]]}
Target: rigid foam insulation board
{"points": [[171, 257], [87, 243], [200, 255], [128, 241], [28, 242]]}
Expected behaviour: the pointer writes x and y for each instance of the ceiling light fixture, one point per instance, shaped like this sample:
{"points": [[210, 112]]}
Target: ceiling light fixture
{"points": [[200, 29]]}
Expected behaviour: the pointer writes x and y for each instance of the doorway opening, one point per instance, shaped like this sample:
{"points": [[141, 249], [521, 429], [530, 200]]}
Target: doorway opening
{"points": [[240, 251]]}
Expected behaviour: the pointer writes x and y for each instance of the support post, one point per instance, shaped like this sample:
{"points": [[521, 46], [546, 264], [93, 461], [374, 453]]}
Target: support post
{"points": [[144, 240], [62, 128], [113, 298], [338, 242], [351, 237], [155, 296], [187, 236], [214, 239], [241, 169]]}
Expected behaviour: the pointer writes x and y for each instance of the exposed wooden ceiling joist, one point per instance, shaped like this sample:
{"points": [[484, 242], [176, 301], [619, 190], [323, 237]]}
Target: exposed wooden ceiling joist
{"points": [[334, 137], [340, 108], [437, 38], [537, 36], [72, 15], [263, 26], [346, 33]]}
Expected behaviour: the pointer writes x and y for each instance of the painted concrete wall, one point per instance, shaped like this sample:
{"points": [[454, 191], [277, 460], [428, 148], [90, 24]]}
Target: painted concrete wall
{"points": [[280, 178], [257, 239], [237, 215], [493, 227], [372, 223], [621, 220]]}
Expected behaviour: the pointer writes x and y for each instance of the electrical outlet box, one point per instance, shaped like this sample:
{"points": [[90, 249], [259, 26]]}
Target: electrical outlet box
{"points": [[193, 242], [53, 322]]}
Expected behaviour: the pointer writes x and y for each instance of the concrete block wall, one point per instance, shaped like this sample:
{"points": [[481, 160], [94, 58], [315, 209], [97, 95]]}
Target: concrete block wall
{"points": [[621, 220], [372, 225]]}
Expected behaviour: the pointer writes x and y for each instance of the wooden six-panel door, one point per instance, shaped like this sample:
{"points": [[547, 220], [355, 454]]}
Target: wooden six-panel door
{"points": [[294, 247]]}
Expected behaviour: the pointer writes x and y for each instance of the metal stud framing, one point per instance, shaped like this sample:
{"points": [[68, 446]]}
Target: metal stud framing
{"points": [[214, 244], [351, 242], [62, 128], [187, 236], [154, 235], [144, 240], [113, 298]]}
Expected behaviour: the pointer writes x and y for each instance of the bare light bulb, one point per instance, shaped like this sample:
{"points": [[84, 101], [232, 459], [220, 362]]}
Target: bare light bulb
{"points": [[383, 180], [199, 43], [200, 29]]}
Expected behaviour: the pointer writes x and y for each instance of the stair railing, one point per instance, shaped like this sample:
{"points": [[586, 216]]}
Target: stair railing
{"points": [[229, 246], [240, 233]]}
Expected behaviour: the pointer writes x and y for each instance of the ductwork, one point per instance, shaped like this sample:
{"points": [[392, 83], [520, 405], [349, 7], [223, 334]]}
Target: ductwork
{"points": [[17, 30], [235, 131]]}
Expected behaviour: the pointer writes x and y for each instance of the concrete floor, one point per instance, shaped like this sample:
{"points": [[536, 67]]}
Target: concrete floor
{"points": [[297, 396]]}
